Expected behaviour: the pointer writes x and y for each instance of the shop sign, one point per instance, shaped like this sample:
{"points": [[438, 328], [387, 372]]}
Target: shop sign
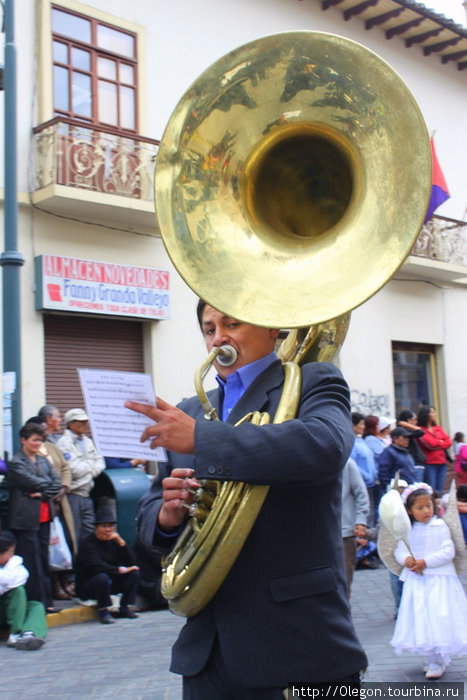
{"points": [[90, 286]]}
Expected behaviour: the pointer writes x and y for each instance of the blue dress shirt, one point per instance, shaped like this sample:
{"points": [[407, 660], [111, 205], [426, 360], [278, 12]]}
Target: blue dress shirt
{"points": [[232, 388]]}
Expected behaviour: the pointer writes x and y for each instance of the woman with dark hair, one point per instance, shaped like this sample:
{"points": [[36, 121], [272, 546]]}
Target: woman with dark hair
{"points": [[434, 442], [375, 439], [371, 426], [33, 484], [376, 434], [407, 419], [363, 456]]}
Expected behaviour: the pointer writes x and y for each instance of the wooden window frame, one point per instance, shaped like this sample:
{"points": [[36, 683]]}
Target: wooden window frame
{"points": [[425, 349], [96, 52]]}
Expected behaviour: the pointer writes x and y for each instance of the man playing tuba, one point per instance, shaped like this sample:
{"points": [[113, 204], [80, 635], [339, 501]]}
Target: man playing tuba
{"points": [[281, 614]]}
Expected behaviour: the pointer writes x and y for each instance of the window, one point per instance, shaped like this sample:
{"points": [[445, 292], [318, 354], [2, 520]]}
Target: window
{"points": [[415, 382], [94, 71]]}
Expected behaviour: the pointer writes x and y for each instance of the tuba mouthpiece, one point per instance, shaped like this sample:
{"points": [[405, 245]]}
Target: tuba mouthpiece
{"points": [[227, 355]]}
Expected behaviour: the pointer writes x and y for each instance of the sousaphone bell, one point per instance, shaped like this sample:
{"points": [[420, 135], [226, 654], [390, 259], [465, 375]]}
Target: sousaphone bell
{"points": [[291, 183]]}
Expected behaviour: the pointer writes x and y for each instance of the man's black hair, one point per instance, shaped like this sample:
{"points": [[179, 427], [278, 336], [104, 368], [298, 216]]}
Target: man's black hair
{"points": [[357, 417], [405, 415], [37, 420], [7, 540], [199, 312], [31, 429]]}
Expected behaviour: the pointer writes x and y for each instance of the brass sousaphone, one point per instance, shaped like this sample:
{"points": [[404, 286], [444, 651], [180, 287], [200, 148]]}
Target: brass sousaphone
{"points": [[291, 183]]}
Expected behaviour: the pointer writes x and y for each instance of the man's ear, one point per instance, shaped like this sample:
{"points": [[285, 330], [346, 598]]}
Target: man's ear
{"points": [[274, 332]]}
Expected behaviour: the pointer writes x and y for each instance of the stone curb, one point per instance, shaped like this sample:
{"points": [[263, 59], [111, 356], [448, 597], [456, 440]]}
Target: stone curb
{"points": [[70, 616]]}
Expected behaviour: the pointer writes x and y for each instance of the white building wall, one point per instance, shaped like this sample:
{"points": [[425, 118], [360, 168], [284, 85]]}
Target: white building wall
{"points": [[402, 311], [455, 346], [185, 37]]}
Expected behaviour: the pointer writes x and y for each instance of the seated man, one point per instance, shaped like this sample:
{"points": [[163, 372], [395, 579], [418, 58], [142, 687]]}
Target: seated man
{"points": [[105, 565], [26, 619]]}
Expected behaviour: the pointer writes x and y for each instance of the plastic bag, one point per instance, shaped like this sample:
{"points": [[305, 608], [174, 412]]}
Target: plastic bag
{"points": [[59, 552]]}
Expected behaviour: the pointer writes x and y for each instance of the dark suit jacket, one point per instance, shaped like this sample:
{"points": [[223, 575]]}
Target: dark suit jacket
{"points": [[97, 556], [282, 613]]}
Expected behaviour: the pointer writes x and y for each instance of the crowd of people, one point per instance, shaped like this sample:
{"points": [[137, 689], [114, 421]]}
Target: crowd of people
{"points": [[413, 445], [411, 454], [51, 478]]}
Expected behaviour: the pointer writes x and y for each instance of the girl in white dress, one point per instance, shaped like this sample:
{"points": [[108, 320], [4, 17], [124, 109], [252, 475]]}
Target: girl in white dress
{"points": [[433, 610]]}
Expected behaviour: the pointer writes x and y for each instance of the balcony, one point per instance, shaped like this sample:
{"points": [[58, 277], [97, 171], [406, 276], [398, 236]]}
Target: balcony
{"points": [[439, 253], [94, 175]]}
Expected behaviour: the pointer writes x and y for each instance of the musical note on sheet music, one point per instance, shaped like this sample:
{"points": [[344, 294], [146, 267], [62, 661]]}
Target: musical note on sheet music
{"points": [[115, 429]]}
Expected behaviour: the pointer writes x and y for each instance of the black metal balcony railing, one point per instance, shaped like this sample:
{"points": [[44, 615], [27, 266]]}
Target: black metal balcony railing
{"points": [[74, 154]]}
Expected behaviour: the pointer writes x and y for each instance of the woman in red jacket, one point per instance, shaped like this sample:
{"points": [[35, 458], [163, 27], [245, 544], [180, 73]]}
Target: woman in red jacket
{"points": [[434, 444]]}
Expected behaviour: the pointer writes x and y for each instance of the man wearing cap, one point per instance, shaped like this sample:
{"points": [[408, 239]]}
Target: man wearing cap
{"points": [[106, 565], [396, 458], [384, 428], [85, 464]]}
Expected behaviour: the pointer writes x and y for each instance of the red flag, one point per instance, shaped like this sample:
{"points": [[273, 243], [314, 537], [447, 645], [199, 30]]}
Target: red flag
{"points": [[439, 189]]}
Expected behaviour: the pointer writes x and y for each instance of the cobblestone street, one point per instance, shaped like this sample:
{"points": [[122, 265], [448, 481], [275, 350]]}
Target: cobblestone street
{"points": [[130, 658]]}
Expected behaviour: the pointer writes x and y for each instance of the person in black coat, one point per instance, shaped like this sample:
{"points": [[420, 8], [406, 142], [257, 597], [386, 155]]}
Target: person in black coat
{"points": [[282, 611], [105, 565], [33, 484], [397, 458], [408, 419]]}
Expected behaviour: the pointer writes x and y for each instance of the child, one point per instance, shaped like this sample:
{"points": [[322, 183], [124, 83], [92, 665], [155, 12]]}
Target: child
{"points": [[26, 619], [462, 508], [433, 609]]}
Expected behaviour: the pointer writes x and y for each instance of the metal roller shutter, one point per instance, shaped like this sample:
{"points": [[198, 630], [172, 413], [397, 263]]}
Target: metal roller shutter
{"points": [[75, 341]]}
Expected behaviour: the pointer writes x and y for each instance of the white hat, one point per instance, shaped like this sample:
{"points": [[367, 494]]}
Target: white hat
{"points": [[384, 422], [74, 414]]}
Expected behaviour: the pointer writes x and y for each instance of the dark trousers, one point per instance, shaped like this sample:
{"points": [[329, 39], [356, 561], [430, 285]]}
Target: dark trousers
{"points": [[33, 546], [82, 509], [213, 682], [100, 586], [350, 559], [435, 476]]}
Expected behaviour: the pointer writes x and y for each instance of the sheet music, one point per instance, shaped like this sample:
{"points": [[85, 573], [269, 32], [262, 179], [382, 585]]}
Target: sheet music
{"points": [[115, 429]]}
